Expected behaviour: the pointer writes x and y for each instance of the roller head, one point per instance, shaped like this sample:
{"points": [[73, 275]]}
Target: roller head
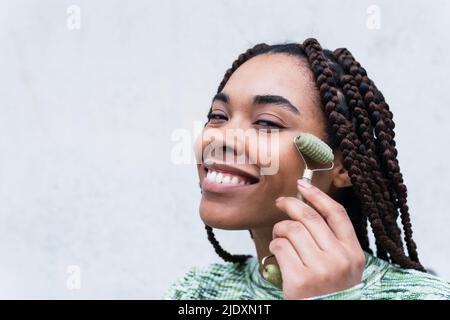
{"points": [[314, 148], [273, 274]]}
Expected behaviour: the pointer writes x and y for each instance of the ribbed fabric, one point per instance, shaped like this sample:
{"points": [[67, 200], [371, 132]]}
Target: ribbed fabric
{"points": [[229, 281]]}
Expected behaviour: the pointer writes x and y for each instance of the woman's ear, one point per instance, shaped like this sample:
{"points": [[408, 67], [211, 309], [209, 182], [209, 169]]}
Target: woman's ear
{"points": [[340, 177]]}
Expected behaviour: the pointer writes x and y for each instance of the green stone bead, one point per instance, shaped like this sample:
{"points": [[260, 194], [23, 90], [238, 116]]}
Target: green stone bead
{"points": [[272, 274]]}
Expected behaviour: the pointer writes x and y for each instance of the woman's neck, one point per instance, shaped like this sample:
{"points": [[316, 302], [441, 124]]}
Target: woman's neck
{"points": [[262, 238]]}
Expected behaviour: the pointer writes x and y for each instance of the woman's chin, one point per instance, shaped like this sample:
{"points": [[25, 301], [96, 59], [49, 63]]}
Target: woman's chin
{"points": [[233, 216], [220, 217]]}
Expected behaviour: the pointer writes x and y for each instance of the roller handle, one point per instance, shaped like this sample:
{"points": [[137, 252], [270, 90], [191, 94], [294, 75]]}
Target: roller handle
{"points": [[307, 176], [299, 195]]}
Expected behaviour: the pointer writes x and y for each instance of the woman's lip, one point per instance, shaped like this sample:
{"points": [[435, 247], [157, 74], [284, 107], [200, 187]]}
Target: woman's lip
{"points": [[213, 186], [222, 167]]}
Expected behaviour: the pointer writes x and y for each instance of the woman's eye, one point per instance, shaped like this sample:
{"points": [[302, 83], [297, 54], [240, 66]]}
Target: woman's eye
{"points": [[268, 124], [216, 117]]}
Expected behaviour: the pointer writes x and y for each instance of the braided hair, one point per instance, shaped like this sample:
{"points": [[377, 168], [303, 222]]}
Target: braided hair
{"points": [[359, 124]]}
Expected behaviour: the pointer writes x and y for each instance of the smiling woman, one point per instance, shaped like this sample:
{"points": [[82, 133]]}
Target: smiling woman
{"points": [[322, 247]]}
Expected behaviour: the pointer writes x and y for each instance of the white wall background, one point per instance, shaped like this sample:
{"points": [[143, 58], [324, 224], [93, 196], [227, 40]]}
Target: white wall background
{"points": [[86, 118]]}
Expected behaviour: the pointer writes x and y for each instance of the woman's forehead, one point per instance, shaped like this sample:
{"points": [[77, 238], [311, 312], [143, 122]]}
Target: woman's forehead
{"points": [[272, 74]]}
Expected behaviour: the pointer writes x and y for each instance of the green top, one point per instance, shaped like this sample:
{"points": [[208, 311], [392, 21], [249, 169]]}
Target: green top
{"points": [[380, 280]]}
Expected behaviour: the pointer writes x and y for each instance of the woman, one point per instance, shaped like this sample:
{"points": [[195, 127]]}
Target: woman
{"points": [[321, 248]]}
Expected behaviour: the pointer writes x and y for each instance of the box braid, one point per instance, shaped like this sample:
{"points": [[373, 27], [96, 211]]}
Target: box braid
{"points": [[363, 125], [382, 120], [356, 112]]}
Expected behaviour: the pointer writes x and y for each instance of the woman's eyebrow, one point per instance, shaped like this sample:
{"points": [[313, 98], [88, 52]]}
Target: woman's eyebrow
{"points": [[262, 99], [221, 97], [274, 99]]}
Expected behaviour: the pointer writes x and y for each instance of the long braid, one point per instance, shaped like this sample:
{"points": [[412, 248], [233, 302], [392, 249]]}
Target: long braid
{"points": [[355, 101], [362, 124], [380, 189], [225, 255], [384, 125]]}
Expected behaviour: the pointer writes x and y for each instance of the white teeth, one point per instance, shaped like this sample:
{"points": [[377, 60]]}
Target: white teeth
{"points": [[219, 177], [212, 176]]}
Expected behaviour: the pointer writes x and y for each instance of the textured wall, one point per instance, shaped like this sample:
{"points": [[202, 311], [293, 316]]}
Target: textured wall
{"points": [[86, 117]]}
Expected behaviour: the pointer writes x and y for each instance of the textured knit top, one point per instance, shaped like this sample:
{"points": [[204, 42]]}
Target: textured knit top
{"points": [[231, 281]]}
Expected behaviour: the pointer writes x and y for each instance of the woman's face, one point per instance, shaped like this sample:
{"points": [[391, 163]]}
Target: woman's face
{"points": [[267, 92]]}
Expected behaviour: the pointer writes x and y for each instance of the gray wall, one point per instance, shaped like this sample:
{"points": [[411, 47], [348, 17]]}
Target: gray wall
{"points": [[86, 117]]}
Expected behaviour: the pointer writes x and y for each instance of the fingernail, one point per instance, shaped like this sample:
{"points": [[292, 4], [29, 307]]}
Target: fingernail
{"points": [[303, 183], [279, 199]]}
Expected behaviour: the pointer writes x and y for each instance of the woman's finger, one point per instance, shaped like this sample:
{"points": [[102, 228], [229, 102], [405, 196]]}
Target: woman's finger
{"points": [[288, 260], [333, 212], [300, 238], [311, 219]]}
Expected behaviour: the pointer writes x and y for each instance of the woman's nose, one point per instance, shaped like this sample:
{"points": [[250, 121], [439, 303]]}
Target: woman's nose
{"points": [[227, 142]]}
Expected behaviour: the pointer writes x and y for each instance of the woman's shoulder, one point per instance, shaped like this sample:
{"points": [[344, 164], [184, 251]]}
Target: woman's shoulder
{"points": [[210, 281], [414, 284], [395, 282]]}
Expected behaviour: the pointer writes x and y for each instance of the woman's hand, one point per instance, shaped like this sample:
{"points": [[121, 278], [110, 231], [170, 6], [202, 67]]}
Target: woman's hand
{"points": [[317, 251]]}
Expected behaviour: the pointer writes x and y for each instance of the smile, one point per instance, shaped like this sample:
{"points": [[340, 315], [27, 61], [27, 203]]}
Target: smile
{"points": [[221, 178]]}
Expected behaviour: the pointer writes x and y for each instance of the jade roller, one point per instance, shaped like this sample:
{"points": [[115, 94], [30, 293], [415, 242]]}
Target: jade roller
{"points": [[315, 149]]}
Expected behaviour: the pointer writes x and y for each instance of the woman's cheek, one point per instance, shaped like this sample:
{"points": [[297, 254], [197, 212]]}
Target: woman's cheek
{"points": [[269, 149], [290, 168]]}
